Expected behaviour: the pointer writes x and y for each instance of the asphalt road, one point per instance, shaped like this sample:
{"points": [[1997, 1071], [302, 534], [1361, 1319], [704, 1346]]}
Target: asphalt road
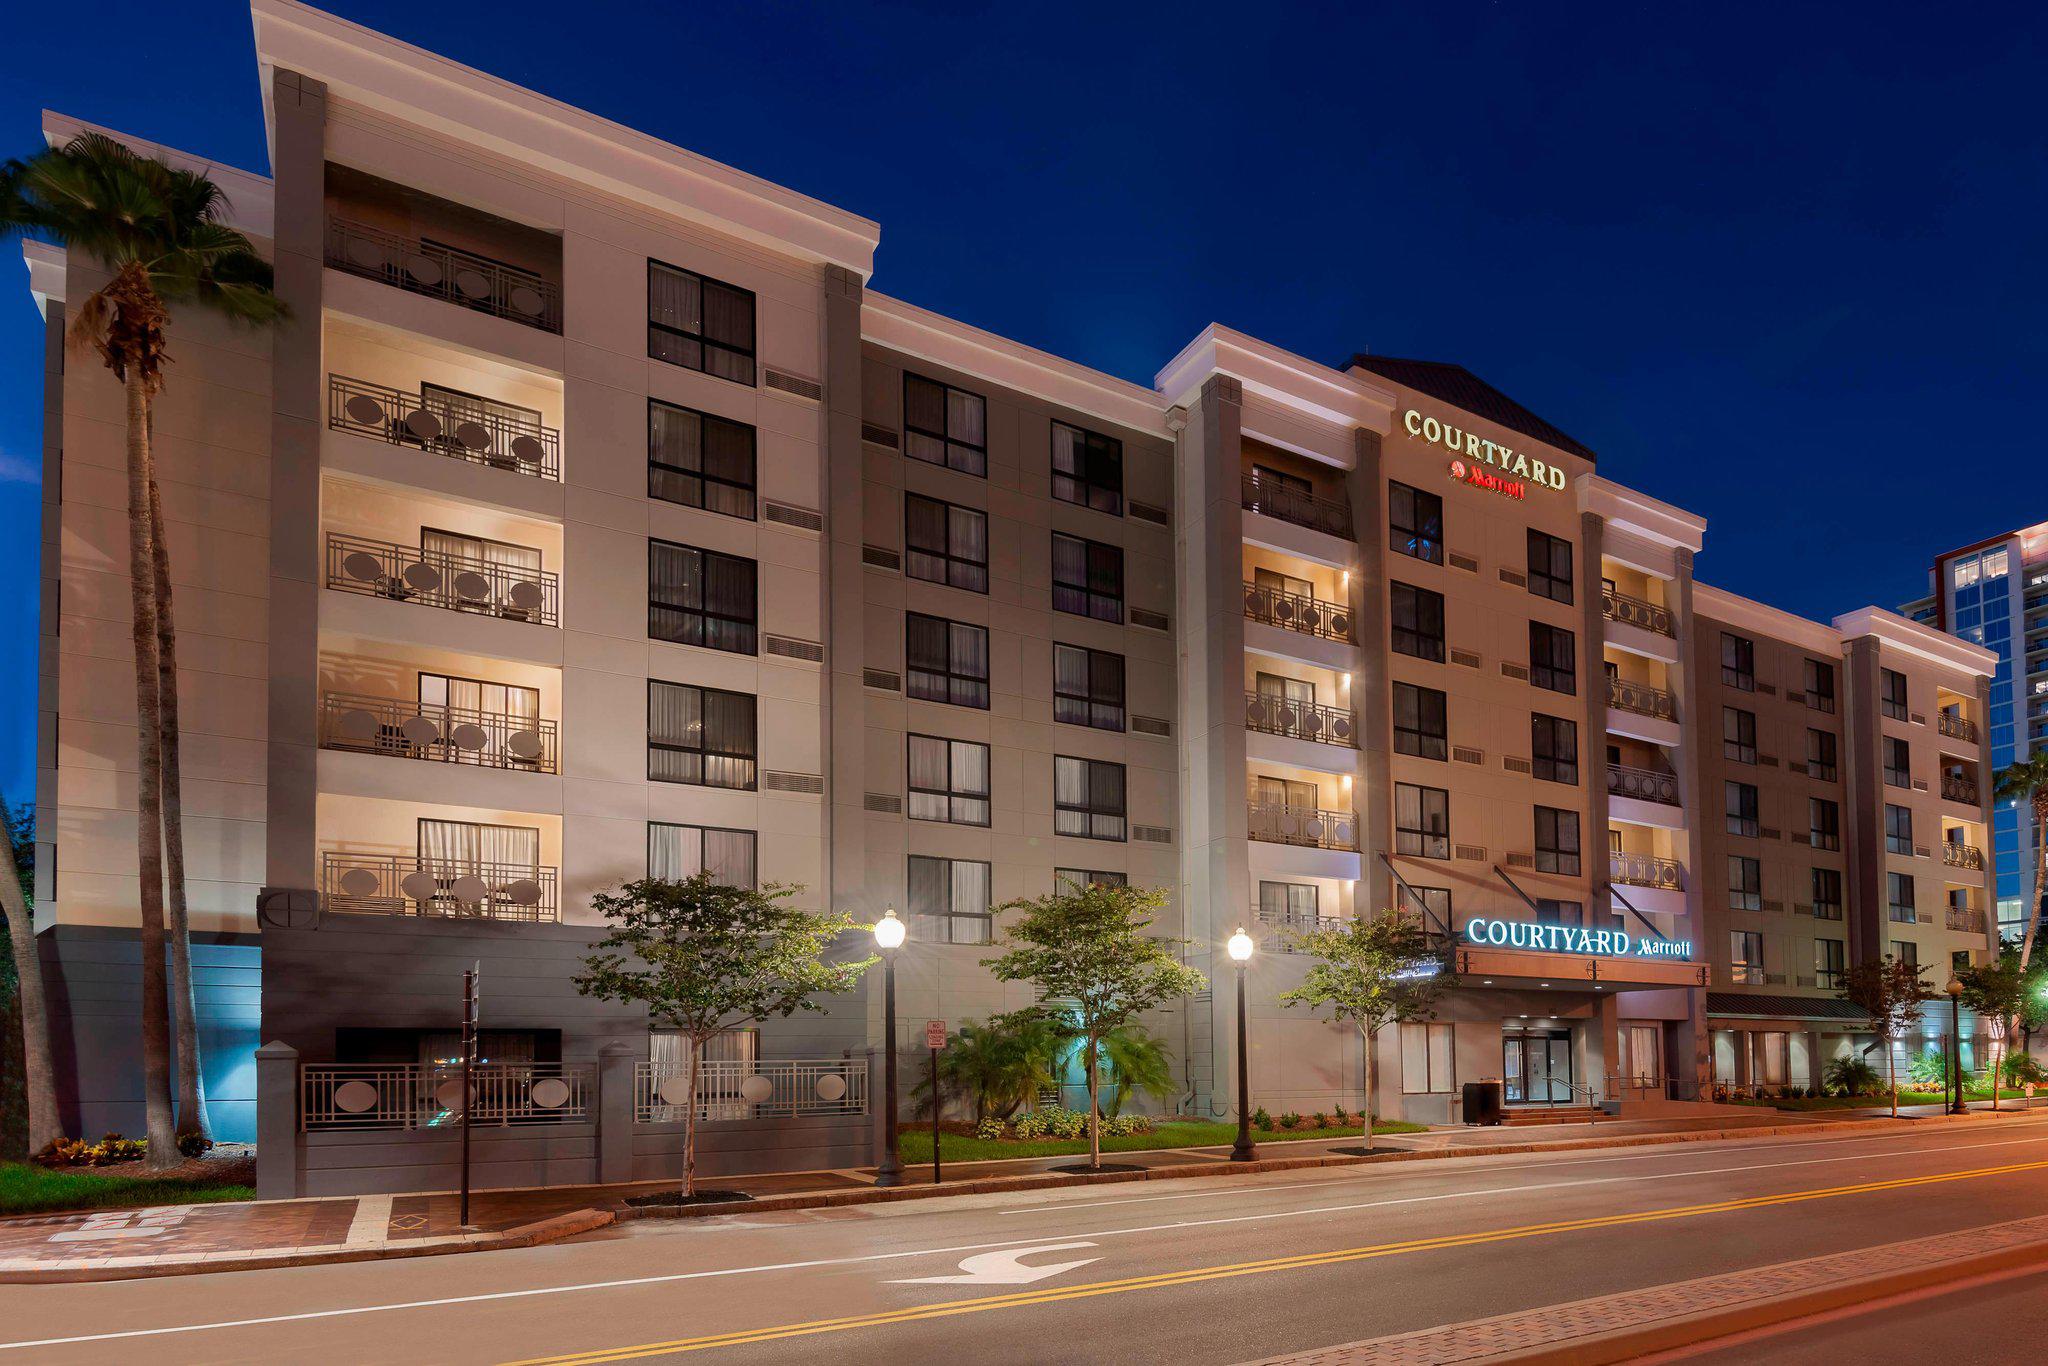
{"points": [[1203, 1271]]}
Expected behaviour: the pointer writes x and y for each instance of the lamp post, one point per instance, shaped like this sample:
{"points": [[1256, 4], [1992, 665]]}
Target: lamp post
{"points": [[1955, 1043], [889, 932], [1242, 1150]]}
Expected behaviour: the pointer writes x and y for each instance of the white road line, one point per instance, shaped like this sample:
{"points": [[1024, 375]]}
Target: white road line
{"points": [[720, 1272]]}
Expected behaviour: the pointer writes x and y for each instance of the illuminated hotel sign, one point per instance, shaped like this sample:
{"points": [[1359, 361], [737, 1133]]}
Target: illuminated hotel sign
{"points": [[1475, 450], [1521, 934]]}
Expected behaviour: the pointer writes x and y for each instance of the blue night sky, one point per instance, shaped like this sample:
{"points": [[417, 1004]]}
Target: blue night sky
{"points": [[1781, 266]]}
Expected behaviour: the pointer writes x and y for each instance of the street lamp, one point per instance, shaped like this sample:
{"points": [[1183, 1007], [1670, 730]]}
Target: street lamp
{"points": [[1242, 1150], [1955, 1042], [889, 932]]}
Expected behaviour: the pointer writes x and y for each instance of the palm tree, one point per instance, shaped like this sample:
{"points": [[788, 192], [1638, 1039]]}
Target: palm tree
{"points": [[1138, 1061], [159, 230], [1000, 1063], [2027, 780], [38, 1078]]}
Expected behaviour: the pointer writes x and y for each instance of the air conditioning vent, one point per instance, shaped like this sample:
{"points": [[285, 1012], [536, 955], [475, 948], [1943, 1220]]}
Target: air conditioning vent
{"points": [[1515, 577], [1918, 719], [1922, 851], [1521, 860], [1514, 765], [1768, 833], [883, 803], [1919, 785], [1468, 563], [1471, 853], [1795, 767], [1151, 725], [1518, 672], [880, 557], [1767, 760], [1145, 512], [879, 436], [789, 514], [1801, 908], [1152, 834], [1773, 906], [1467, 658], [881, 678], [1156, 621], [1767, 689], [810, 783], [784, 382], [789, 647], [1468, 756]]}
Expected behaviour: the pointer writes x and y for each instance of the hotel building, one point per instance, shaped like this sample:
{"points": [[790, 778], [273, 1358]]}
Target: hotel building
{"points": [[931, 620]]}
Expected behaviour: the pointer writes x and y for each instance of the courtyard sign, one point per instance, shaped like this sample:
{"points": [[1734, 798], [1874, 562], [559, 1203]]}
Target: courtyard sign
{"points": [[1512, 464], [1522, 934]]}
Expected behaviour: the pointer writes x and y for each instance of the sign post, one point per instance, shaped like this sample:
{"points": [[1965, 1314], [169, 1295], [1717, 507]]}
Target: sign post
{"points": [[935, 1039], [469, 1014]]}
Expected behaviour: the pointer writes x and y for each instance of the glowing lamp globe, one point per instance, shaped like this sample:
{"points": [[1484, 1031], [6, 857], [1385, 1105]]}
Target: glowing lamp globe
{"points": [[889, 930], [1240, 945]]}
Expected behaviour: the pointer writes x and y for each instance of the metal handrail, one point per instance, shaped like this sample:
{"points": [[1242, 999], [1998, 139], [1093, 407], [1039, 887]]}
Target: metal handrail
{"points": [[437, 578], [1272, 714], [1966, 919], [1645, 870], [732, 1088], [1309, 615], [415, 884], [1956, 727], [426, 730], [1293, 924], [1634, 611], [1643, 784], [482, 433], [1956, 854], [1628, 695], [1958, 790], [1279, 823], [343, 1096], [445, 273], [1331, 516]]}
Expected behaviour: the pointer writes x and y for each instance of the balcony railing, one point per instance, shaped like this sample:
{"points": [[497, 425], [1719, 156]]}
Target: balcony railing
{"points": [[436, 578], [1956, 789], [480, 432], [1956, 854], [1293, 612], [729, 1088], [1292, 925], [1271, 714], [1956, 727], [1645, 870], [1332, 516], [425, 730], [1643, 784], [429, 1096], [454, 888], [1966, 919], [1632, 611], [1278, 823], [1642, 699], [456, 277]]}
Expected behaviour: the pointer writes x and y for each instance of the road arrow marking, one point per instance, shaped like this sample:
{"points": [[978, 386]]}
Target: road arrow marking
{"points": [[1006, 1267]]}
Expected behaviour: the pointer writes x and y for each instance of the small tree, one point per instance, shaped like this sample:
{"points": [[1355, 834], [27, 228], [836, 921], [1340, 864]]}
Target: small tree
{"points": [[1087, 948], [2007, 993], [1373, 973], [706, 957], [1890, 991]]}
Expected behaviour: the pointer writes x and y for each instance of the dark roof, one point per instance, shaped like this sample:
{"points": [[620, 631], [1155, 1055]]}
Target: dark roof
{"points": [[1784, 1007], [1460, 388]]}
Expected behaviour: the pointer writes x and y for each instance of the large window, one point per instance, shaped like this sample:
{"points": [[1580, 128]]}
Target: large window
{"points": [[1742, 809], [1088, 798], [1081, 878], [1422, 821], [1745, 884], [1284, 902], [1820, 685], [1824, 823], [1553, 658], [1820, 755], [1420, 727], [1554, 748], [675, 852], [1426, 1059], [945, 543], [1415, 523], [1898, 895], [950, 899], [949, 780], [945, 661], [700, 323], [1898, 829], [700, 597], [699, 460], [699, 735], [1827, 894], [1891, 693], [1830, 963], [1557, 841], [1738, 662], [1898, 762], [1087, 578], [1746, 957], [1087, 468], [1738, 735], [1418, 621], [945, 426], [1550, 566], [1087, 687]]}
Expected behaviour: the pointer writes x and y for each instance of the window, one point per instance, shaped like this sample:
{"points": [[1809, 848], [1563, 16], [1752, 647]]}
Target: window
{"points": [[1642, 1054], [1820, 755], [1898, 830], [950, 898], [1415, 523], [1907, 952], [1426, 1054], [699, 735], [1898, 895], [1418, 616], [945, 661], [1087, 798], [1738, 735], [1422, 821], [1089, 877], [1420, 727], [1738, 662], [1549, 912], [1554, 748], [1741, 809], [1891, 693], [1550, 566], [700, 597], [1434, 903], [1898, 763], [1285, 902], [945, 426], [949, 780], [1745, 884], [1820, 685], [1087, 687], [1553, 658], [699, 460], [1557, 841], [1087, 468], [1830, 962], [675, 852], [1087, 578], [1746, 957], [945, 544], [1827, 894], [700, 323], [467, 697], [1824, 823]]}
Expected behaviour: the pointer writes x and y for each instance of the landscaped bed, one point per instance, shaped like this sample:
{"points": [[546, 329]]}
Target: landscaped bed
{"points": [[31, 1188], [959, 1144], [1868, 1102]]}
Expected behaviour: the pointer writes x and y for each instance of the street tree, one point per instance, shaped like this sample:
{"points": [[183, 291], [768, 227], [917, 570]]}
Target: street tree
{"points": [[706, 957], [1089, 952], [1889, 990], [37, 1076], [2027, 781], [2008, 993]]}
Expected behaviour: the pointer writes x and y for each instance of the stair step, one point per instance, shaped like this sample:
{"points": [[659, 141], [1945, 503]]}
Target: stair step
{"points": [[1558, 1115]]}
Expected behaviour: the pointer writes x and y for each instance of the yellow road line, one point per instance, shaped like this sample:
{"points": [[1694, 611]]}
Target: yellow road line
{"points": [[1166, 1279]]}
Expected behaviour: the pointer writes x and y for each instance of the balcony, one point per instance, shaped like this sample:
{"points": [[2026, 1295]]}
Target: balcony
{"points": [[1966, 920], [1645, 870], [1305, 826], [1642, 784], [441, 272], [1642, 699], [1956, 854], [1292, 925], [436, 578], [456, 889], [1958, 789], [1293, 612], [450, 735], [1331, 516], [1639, 612], [473, 429], [1271, 714], [1956, 727]]}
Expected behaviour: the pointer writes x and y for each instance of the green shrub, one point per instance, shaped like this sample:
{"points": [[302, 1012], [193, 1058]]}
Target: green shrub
{"points": [[1929, 1071], [1343, 1115], [1061, 1122], [1262, 1120], [193, 1145], [2020, 1068], [1852, 1076], [77, 1152], [990, 1127], [1124, 1125], [1290, 1120], [1319, 1120], [1029, 1125]]}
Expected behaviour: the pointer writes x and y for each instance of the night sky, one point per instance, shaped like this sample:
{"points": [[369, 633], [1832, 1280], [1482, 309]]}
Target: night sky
{"points": [[1781, 266]]}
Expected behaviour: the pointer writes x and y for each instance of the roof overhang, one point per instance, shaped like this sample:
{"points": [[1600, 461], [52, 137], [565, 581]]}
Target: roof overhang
{"points": [[1661, 524], [1733, 610], [1293, 382], [1923, 642]]}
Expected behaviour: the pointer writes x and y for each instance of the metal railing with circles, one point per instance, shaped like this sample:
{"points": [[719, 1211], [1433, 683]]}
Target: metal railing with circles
{"points": [[344, 1096], [1956, 727], [730, 1088], [425, 730], [445, 273], [1272, 714], [1297, 612], [1645, 870], [1956, 854], [437, 578], [1280, 823], [415, 884], [1642, 699], [1634, 611], [1292, 925], [479, 431], [1643, 784], [1331, 516]]}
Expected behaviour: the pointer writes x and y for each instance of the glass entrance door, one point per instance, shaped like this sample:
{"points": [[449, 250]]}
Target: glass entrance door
{"points": [[1536, 1067]]}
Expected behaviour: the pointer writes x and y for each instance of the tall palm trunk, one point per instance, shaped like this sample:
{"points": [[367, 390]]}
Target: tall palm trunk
{"points": [[38, 1078], [191, 1088], [156, 1041], [2032, 924]]}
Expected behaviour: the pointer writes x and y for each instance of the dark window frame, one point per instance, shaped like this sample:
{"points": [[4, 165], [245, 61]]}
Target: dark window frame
{"points": [[1896, 775], [1091, 706], [1411, 537], [1553, 667], [1086, 487], [1891, 694], [983, 920], [1546, 582], [744, 629], [658, 469], [1898, 829], [705, 343], [1415, 639], [1096, 599], [952, 794], [1823, 823], [1739, 747], [1545, 743], [1095, 809], [977, 465], [1745, 883], [1413, 734], [1554, 853], [1828, 881], [1738, 662], [1741, 809], [952, 675], [751, 756], [973, 574], [1424, 839]]}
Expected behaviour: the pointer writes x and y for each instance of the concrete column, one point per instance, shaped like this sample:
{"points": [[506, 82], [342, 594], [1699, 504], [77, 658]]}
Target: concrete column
{"points": [[1684, 678], [845, 744], [1607, 1020], [615, 1117], [1863, 792], [1593, 764], [1985, 775], [277, 1123], [1372, 796]]}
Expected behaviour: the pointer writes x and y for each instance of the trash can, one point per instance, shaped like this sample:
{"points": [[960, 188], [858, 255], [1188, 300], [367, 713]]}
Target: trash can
{"points": [[1483, 1104]]}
